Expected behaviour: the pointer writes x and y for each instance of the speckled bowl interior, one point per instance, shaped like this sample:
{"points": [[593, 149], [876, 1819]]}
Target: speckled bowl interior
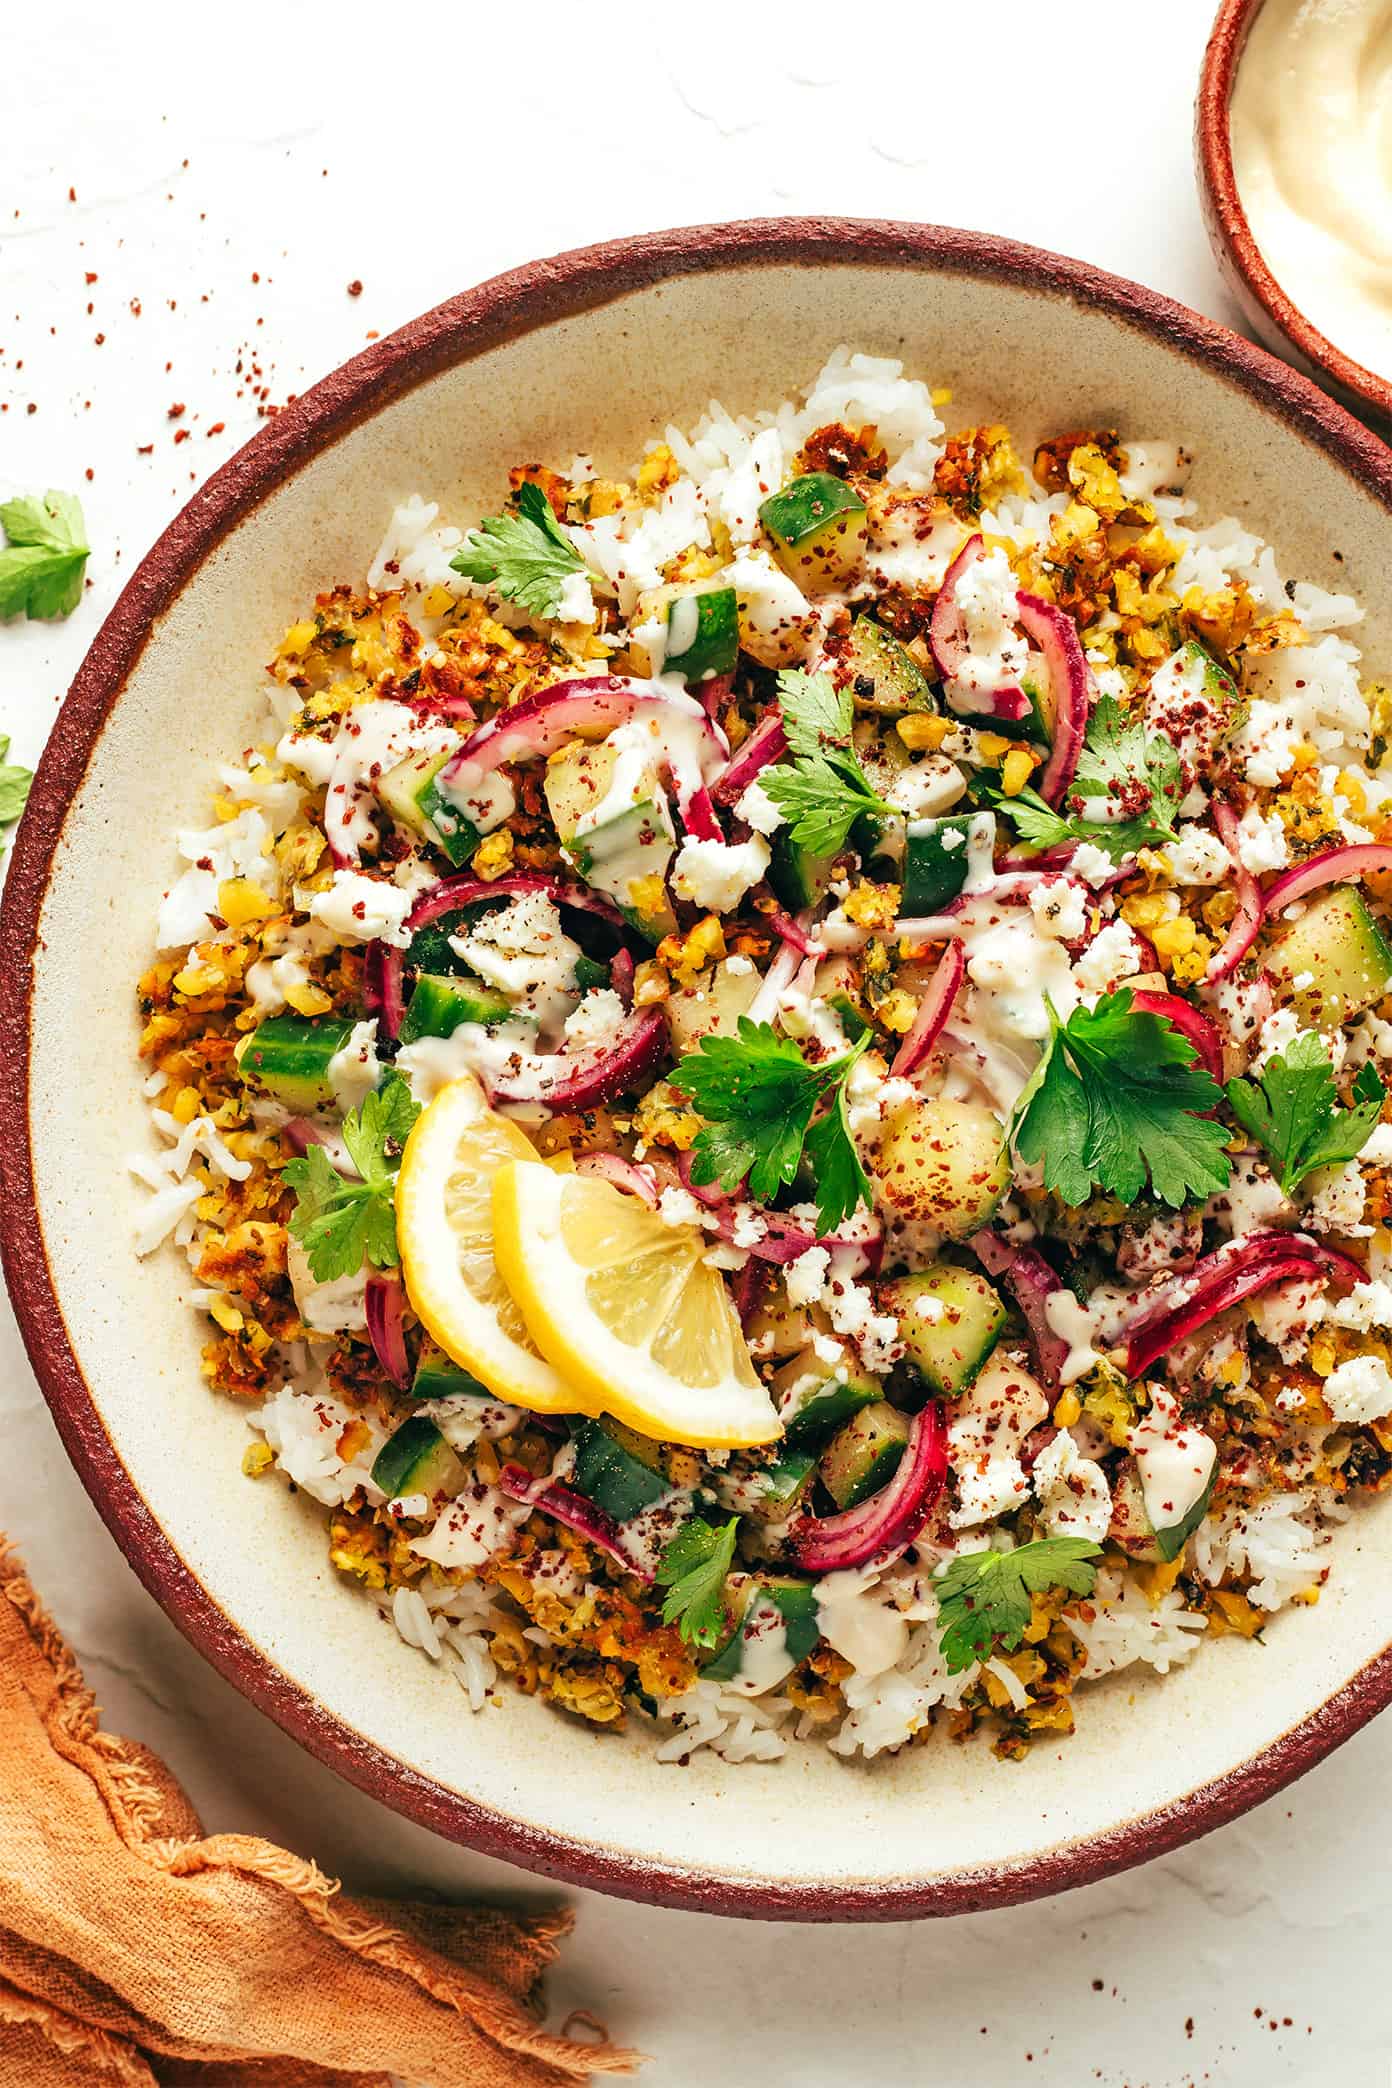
{"points": [[594, 354]]}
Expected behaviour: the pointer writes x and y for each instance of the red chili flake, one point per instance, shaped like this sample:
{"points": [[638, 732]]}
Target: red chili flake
{"points": [[217, 428], [355, 288], [99, 339], [90, 276], [135, 307], [144, 449], [88, 473], [182, 434], [176, 410], [31, 407], [255, 277], [72, 196]]}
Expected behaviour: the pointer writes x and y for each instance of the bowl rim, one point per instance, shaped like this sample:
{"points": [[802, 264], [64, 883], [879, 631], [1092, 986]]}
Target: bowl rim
{"points": [[1229, 228], [500, 309]]}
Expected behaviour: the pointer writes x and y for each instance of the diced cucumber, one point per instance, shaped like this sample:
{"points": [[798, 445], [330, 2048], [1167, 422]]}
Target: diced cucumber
{"points": [[786, 1482], [767, 1606], [936, 861], [1333, 962], [628, 852], [885, 676], [949, 1348], [766, 1489], [837, 983], [288, 1057], [590, 972], [438, 1376], [702, 633], [417, 1459], [410, 791], [942, 1167], [798, 877], [817, 524], [864, 1455], [777, 1328], [710, 1007], [824, 1404], [612, 1469], [1172, 1539], [439, 1004]]}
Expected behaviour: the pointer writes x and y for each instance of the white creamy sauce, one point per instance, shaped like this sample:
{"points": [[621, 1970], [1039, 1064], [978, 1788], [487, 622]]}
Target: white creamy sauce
{"points": [[1174, 1462], [484, 796], [764, 1657], [370, 739], [1312, 152], [855, 1617], [1071, 1320]]}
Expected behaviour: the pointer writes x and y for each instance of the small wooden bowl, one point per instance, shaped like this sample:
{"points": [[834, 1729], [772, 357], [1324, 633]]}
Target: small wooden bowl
{"points": [[1274, 317]]}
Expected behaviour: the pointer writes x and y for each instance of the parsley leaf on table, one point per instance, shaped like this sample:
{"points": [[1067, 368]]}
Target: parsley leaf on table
{"points": [[824, 791], [44, 558], [340, 1222], [693, 1570], [984, 1597], [757, 1094], [1291, 1110], [526, 556], [1117, 1096], [14, 787]]}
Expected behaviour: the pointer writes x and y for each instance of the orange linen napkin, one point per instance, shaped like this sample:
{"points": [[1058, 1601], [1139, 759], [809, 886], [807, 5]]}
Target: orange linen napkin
{"points": [[135, 1951]]}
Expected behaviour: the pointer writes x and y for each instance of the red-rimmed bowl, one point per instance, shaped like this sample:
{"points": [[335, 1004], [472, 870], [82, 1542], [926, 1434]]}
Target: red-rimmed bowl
{"points": [[593, 351], [1274, 315]]}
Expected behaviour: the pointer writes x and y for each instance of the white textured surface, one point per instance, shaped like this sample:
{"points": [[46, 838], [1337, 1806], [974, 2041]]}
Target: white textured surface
{"points": [[626, 124]]}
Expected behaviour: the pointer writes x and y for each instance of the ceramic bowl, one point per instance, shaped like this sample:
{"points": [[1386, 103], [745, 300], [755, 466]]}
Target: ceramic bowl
{"points": [[593, 351], [1273, 315]]}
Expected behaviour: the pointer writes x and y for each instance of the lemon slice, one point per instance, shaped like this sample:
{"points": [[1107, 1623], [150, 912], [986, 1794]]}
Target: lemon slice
{"points": [[444, 1224], [626, 1309]]}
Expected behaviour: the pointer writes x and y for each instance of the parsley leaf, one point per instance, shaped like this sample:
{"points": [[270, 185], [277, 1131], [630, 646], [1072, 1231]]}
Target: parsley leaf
{"points": [[14, 787], [1137, 772], [44, 558], [758, 1095], [1291, 1110], [825, 790], [693, 1570], [1119, 1096], [342, 1223], [527, 556], [984, 1597]]}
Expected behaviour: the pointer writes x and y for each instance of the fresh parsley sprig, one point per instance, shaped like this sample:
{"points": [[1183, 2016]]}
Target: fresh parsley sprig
{"points": [[758, 1095], [1136, 772], [693, 1569], [526, 556], [14, 787], [1292, 1110], [984, 1597], [824, 791], [1118, 1094], [44, 558], [341, 1223]]}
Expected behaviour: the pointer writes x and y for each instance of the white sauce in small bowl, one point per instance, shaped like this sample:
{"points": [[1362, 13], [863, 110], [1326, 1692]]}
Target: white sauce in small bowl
{"points": [[1311, 128]]}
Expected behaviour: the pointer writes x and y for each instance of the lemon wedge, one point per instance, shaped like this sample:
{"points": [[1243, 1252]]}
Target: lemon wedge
{"points": [[626, 1309], [444, 1224]]}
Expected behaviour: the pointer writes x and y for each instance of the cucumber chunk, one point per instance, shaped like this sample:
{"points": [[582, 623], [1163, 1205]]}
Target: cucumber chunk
{"points": [[417, 1459], [769, 1609], [702, 633], [438, 1376], [590, 972], [439, 1004], [710, 1007], [289, 1056], [410, 791], [836, 983], [628, 851], [885, 676], [1333, 962], [942, 1167], [864, 1455], [936, 860], [611, 1469], [798, 877], [817, 524], [949, 1349], [825, 1403]]}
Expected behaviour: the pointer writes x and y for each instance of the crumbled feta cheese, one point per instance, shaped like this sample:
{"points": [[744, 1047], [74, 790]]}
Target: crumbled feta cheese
{"points": [[739, 967], [1377, 1148], [362, 909], [757, 809], [1359, 1390], [1060, 909], [1074, 1498], [1367, 1305], [996, 653], [1197, 857], [523, 951], [926, 788], [1261, 843], [1113, 954], [717, 874], [678, 1207], [593, 1023], [1091, 863], [354, 1070], [1281, 1027], [1340, 1194], [803, 1278], [749, 1226]]}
